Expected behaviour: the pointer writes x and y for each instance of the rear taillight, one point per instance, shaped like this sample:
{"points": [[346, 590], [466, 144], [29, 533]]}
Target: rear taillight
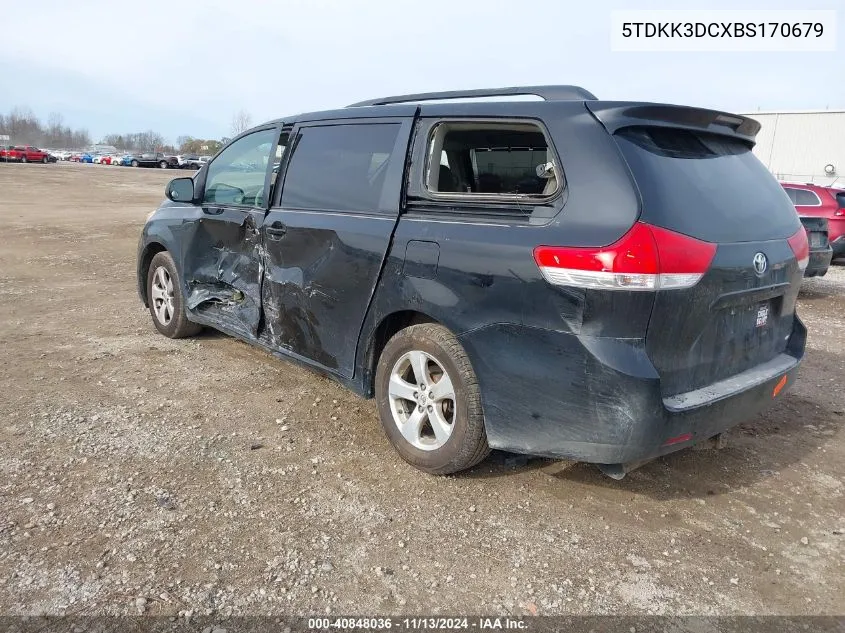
{"points": [[839, 213], [801, 247], [645, 258]]}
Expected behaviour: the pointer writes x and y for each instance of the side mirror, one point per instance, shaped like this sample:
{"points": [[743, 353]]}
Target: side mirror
{"points": [[180, 190]]}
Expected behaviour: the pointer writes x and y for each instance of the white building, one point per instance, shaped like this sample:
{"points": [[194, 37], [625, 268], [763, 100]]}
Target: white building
{"points": [[803, 146]]}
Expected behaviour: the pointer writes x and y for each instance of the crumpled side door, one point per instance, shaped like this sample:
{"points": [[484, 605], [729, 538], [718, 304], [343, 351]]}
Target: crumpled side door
{"points": [[222, 250]]}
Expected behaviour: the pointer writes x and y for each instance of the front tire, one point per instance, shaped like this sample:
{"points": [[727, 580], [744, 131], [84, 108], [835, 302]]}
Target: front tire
{"points": [[429, 401], [164, 295], [135, 163], [23, 159], [44, 160]]}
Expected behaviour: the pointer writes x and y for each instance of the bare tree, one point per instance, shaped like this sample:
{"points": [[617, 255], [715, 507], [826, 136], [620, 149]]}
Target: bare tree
{"points": [[182, 142], [55, 129], [23, 127], [241, 122], [55, 121]]}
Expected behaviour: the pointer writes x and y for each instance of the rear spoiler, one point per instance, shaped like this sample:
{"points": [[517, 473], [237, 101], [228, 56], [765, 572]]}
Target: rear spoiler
{"points": [[615, 115]]}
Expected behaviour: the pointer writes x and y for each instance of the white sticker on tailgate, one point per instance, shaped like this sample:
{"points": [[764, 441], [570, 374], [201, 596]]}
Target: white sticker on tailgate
{"points": [[762, 315]]}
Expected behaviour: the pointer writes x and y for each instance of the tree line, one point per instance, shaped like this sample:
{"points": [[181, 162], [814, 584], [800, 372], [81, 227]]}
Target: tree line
{"points": [[24, 128]]}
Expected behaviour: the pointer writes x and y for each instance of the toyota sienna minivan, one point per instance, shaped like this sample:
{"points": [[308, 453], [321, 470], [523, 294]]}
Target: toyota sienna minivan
{"points": [[602, 281]]}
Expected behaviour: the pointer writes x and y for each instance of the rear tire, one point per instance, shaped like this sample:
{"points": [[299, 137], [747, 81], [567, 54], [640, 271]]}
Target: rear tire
{"points": [[163, 164], [134, 163], [44, 160], [439, 430], [23, 159], [164, 296]]}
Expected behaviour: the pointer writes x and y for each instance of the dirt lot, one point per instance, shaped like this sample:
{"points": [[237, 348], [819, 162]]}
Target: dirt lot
{"points": [[140, 474]]}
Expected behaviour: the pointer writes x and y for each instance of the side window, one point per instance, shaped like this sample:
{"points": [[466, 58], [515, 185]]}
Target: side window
{"points": [[339, 167], [236, 176], [491, 159], [806, 198]]}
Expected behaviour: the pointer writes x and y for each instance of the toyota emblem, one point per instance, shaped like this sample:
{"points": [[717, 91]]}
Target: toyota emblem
{"points": [[760, 263]]}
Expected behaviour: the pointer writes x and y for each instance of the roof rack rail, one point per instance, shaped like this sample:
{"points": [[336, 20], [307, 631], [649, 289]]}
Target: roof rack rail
{"points": [[549, 93]]}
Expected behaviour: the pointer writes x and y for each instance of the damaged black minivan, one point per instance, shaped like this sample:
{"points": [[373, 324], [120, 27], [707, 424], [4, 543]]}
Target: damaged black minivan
{"points": [[601, 281]]}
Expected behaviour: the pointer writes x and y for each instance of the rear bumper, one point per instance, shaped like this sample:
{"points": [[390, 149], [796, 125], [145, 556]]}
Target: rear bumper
{"points": [[598, 399], [820, 261]]}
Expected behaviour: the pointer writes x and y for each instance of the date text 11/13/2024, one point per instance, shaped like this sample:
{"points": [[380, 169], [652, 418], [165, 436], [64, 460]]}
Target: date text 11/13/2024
{"points": [[418, 624]]}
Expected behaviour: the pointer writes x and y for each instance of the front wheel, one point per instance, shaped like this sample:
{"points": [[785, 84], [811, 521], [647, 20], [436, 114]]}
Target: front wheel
{"points": [[164, 296], [23, 159], [135, 163], [429, 401], [44, 160]]}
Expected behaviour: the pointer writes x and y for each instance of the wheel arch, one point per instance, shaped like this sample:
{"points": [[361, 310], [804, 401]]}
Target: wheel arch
{"points": [[144, 260], [388, 326]]}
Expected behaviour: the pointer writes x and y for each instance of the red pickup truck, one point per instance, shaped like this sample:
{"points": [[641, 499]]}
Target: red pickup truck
{"points": [[23, 154]]}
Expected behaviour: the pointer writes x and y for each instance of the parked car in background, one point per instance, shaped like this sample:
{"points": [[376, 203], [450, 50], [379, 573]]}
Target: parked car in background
{"points": [[31, 154], [24, 154], [126, 160], [82, 157], [820, 250], [821, 202], [190, 161], [9, 154], [63, 154], [153, 159], [483, 299], [106, 159]]}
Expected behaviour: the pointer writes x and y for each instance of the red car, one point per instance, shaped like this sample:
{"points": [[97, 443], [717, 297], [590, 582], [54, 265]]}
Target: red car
{"points": [[821, 202], [8, 153], [30, 154], [24, 154]]}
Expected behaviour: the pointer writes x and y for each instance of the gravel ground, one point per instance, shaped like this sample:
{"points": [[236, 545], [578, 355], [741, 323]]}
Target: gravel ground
{"points": [[204, 477]]}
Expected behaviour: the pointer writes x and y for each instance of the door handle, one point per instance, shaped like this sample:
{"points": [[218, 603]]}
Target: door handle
{"points": [[276, 231], [212, 210]]}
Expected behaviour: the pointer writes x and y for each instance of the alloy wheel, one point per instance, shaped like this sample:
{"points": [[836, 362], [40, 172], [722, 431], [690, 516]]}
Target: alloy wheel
{"points": [[161, 293], [422, 400]]}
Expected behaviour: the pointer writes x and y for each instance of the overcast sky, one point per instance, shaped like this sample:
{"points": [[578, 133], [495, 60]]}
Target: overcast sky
{"points": [[186, 66]]}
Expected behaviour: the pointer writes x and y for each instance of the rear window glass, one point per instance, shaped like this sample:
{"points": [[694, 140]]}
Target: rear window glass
{"points": [[707, 186], [805, 198], [840, 199]]}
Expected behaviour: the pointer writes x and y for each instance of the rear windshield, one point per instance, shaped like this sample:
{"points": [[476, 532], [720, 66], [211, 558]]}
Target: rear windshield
{"points": [[705, 185], [840, 199]]}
